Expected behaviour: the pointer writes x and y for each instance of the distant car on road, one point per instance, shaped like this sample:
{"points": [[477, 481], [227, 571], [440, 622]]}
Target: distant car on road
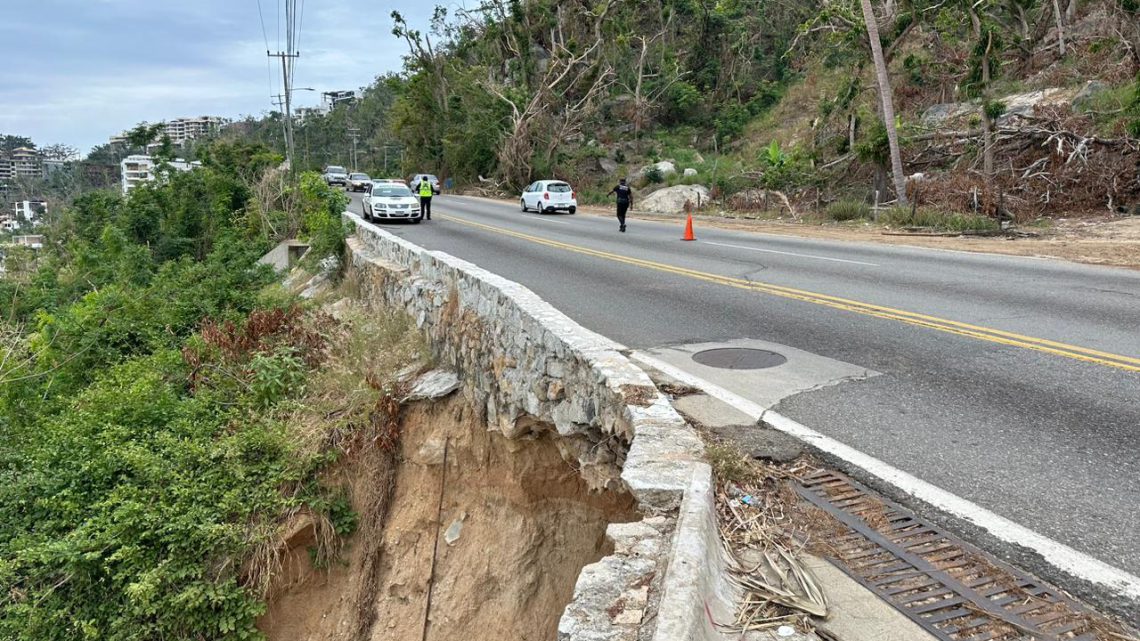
{"points": [[391, 201], [335, 175], [359, 182], [414, 183], [549, 195]]}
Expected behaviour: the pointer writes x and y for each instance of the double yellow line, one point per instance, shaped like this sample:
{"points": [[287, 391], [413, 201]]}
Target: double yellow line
{"points": [[1075, 352]]}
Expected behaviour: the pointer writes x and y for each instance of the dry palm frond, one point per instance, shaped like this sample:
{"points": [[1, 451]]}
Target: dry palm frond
{"points": [[777, 589]]}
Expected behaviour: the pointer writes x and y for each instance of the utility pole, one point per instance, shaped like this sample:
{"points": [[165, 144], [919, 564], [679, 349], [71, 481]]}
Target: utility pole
{"points": [[287, 59], [355, 133]]}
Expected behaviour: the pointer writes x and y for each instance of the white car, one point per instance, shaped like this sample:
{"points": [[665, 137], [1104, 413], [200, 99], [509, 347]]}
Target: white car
{"points": [[335, 175], [391, 201], [358, 182], [549, 195]]}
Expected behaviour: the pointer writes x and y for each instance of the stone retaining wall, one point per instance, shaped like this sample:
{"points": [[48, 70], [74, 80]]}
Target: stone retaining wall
{"points": [[534, 369]]}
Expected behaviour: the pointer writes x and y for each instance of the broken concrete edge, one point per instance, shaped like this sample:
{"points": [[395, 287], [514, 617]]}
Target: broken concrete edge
{"points": [[530, 365]]}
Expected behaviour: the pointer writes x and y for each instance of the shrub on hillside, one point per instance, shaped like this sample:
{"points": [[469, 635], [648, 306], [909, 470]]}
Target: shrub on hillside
{"points": [[731, 120], [850, 209], [937, 220]]}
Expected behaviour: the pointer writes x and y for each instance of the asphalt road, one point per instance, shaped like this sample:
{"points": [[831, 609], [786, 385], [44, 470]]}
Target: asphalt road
{"points": [[1012, 382]]}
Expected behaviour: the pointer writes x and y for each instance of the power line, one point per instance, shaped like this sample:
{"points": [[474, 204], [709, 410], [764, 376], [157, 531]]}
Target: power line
{"points": [[261, 17], [265, 38]]}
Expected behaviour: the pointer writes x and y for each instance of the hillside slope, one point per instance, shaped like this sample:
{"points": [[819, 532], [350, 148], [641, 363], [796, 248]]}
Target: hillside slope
{"points": [[756, 95]]}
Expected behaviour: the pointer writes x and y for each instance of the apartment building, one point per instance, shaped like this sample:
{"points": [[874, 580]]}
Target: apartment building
{"points": [[181, 129], [138, 169], [26, 163], [21, 162]]}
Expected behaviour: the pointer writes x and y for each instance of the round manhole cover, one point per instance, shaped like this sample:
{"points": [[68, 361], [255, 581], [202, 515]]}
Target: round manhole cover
{"points": [[739, 358]]}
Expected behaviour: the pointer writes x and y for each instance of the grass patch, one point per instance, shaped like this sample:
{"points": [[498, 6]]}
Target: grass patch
{"points": [[729, 463], [937, 220], [842, 210]]}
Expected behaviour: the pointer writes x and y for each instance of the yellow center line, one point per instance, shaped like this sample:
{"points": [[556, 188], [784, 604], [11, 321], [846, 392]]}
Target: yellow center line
{"points": [[1002, 337]]}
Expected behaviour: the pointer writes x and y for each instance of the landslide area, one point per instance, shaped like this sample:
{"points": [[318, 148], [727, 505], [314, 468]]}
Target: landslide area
{"points": [[463, 534]]}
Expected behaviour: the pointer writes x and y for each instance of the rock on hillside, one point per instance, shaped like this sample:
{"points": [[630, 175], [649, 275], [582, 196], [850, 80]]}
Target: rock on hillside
{"points": [[664, 168], [671, 200]]}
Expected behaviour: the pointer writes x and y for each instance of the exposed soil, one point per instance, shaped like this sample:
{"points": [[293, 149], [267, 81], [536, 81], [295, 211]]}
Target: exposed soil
{"points": [[526, 525]]}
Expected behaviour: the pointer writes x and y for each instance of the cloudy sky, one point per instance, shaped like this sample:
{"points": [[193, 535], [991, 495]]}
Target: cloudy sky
{"points": [[79, 71]]}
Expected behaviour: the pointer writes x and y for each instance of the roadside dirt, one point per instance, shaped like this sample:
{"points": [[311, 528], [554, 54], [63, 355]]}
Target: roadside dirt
{"points": [[522, 524], [1095, 240], [1104, 240]]}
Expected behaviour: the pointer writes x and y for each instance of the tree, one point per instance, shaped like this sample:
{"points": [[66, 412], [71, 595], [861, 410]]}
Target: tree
{"points": [[9, 143], [143, 135], [59, 151], [886, 99]]}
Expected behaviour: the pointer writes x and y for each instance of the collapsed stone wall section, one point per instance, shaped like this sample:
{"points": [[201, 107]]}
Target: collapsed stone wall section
{"points": [[533, 368]]}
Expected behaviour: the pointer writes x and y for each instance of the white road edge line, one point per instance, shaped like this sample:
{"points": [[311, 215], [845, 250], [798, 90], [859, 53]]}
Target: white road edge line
{"points": [[773, 251], [549, 220], [1057, 554]]}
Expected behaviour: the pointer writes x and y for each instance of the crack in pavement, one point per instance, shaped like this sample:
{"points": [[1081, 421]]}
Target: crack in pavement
{"points": [[850, 378]]}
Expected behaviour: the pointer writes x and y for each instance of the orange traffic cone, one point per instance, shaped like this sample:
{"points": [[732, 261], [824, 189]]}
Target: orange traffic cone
{"points": [[689, 229]]}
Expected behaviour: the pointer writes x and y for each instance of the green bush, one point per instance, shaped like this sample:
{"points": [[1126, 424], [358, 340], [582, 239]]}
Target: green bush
{"points": [[937, 220], [842, 210], [730, 121], [654, 176], [784, 169], [146, 453], [322, 224], [682, 103]]}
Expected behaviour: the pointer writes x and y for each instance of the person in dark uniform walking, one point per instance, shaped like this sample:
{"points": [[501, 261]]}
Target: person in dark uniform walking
{"points": [[425, 198], [624, 201]]}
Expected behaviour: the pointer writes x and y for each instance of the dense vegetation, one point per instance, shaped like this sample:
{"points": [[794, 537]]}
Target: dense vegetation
{"points": [[148, 371], [758, 96]]}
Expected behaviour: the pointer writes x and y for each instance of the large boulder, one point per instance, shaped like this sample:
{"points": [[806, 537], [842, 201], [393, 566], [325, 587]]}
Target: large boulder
{"points": [[938, 115], [689, 171], [1023, 105], [671, 200], [607, 166]]}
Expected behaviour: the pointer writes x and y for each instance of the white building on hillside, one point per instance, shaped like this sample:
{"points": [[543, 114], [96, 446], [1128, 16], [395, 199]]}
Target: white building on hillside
{"points": [[21, 163], [139, 169], [182, 129], [32, 211], [330, 99]]}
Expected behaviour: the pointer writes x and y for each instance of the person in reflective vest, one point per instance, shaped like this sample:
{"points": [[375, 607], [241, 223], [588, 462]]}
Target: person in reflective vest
{"points": [[425, 198]]}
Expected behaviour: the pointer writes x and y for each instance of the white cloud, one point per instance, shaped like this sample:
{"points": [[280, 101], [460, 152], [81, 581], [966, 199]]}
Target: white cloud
{"points": [[88, 82]]}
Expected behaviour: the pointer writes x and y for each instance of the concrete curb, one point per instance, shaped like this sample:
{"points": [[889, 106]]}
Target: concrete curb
{"points": [[531, 366]]}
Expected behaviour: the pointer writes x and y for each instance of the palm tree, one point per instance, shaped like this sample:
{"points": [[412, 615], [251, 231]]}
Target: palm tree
{"points": [[885, 97]]}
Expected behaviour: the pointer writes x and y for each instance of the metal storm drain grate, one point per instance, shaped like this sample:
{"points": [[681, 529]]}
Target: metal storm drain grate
{"points": [[945, 585], [739, 358]]}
